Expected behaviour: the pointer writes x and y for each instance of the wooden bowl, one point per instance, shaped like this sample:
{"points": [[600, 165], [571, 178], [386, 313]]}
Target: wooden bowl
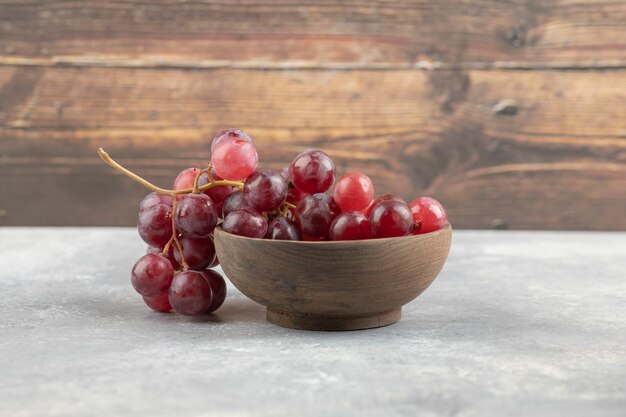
{"points": [[343, 285]]}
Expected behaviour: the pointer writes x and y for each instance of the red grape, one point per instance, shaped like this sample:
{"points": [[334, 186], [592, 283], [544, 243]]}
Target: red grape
{"points": [[245, 222], [428, 215], [153, 199], [218, 194], [265, 190], [282, 228], [160, 303], [152, 275], [199, 253], [190, 293], [390, 218], [312, 171], [383, 197], [195, 216], [155, 225], [218, 289], [185, 179], [350, 225], [354, 191], [234, 159], [236, 200], [315, 213], [229, 134]]}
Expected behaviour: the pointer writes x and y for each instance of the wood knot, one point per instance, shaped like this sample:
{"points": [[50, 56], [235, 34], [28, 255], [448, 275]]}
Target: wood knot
{"points": [[505, 108]]}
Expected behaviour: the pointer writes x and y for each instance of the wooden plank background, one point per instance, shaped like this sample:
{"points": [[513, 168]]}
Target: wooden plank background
{"points": [[512, 113]]}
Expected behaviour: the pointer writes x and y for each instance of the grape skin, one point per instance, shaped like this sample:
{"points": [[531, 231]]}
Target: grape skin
{"points": [[315, 213], [312, 171], [391, 218], [190, 293], [199, 253], [218, 289], [234, 159], [350, 225], [151, 275], [155, 225], [266, 190], [282, 228], [245, 222], [196, 216], [353, 191]]}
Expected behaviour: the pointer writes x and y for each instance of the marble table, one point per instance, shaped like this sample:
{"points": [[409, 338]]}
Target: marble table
{"points": [[517, 324]]}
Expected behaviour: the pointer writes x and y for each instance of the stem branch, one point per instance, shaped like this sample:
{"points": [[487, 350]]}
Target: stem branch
{"points": [[172, 193]]}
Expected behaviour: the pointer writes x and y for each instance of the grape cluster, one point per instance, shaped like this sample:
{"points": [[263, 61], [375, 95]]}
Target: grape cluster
{"points": [[294, 203]]}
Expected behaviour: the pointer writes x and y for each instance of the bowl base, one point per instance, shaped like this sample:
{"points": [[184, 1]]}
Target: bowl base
{"points": [[305, 321]]}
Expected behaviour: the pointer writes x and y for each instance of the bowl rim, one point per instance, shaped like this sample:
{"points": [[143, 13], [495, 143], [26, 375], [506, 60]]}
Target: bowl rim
{"points": [[446, 228]]}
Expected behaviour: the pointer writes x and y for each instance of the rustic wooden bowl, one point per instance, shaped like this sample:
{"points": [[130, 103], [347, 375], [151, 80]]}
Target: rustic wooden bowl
{"points": [[345, 285]]}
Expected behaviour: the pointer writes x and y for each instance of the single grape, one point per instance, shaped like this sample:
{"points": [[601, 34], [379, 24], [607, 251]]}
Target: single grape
{"points": [[152, 275], [234, 159], [315, 213], [428, 215], [169, 256], [383, 197], [195, 216], [265, 190], [190, 293], [185, 179], [218, 289], [350, 225], [390, 218], [229, 134], [236, 200], [153, 199], [218, 194], [199, 253], [354, 191], [312, 171], [281, 228], [155, 225], [160, 303], [245, 222]]}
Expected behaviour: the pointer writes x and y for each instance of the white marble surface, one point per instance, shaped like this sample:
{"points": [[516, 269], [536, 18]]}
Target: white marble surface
{"points": [[517, 324]]}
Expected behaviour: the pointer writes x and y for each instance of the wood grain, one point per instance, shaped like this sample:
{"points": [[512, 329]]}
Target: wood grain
{"points": [[516, 149], [322, 34], [512, 113], [341, 285]]}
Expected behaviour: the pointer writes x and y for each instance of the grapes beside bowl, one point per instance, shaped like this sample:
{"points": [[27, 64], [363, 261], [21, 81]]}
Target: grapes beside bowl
{"points": [[320, 254]]}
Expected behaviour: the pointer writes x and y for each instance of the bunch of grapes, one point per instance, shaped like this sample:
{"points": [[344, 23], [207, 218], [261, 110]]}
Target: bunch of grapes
{"points": [[294, 203]]}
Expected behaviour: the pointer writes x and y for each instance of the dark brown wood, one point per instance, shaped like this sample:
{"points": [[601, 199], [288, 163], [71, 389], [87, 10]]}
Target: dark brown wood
{"points": [[503, 149], [330, 33], [513, 114], [343, 285]]}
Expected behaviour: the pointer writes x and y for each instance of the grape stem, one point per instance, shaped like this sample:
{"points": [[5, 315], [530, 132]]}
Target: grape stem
{"points": [[183, 262], [172, 193]]}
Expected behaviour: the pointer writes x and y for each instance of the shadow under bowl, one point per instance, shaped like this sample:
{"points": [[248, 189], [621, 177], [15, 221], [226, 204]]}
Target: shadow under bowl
{"points": [[338, 285]]}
